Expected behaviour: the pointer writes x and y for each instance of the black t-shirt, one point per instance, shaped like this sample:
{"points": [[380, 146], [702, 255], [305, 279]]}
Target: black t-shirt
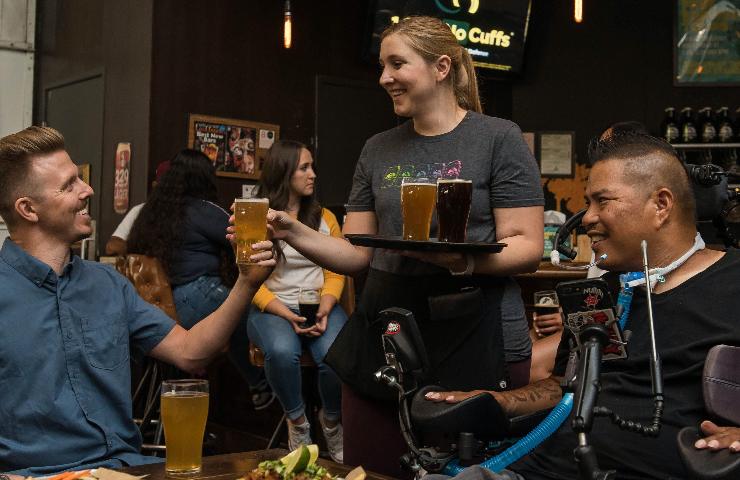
{"points": [[689, 320]]}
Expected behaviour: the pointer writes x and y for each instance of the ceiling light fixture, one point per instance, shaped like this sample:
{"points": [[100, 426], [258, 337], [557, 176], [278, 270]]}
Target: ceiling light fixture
{"points": [[287, 26]]}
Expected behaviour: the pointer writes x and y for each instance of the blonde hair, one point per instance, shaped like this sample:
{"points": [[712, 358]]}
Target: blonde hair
{"points": [[431, 38], [16, 152]]}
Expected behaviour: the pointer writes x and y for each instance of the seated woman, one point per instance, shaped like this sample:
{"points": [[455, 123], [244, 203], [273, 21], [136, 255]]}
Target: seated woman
{"points": [[183, 227], [275, 325]]}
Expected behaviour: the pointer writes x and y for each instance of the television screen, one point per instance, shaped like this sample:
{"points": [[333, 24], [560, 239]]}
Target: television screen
{"points": [[493, 31]]}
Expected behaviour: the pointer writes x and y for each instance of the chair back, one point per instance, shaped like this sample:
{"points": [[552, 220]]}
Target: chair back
{"points": [[150, 280]]}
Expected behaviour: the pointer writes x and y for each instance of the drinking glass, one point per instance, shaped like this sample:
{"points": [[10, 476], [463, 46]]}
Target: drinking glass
{"points": [[546, 302], [184, 408], [418, 196], [308, 304], [250, 221], [454, 197]]}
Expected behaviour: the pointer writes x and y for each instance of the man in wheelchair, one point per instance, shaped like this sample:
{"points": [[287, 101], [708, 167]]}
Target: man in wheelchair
{"points": [[638, 190]]}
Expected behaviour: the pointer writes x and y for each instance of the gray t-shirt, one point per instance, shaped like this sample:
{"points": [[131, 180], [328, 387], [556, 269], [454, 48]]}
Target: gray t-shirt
{"points": [[489, 151]]}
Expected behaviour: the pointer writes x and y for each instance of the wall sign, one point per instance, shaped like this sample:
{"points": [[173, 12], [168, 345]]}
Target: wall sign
{"points": [[237, 148]]}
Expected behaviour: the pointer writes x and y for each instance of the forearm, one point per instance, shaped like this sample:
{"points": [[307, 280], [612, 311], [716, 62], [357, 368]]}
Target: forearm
{"points": [[276, 307], [522, 254], [209, 336], [333, 253], [536, 396]]}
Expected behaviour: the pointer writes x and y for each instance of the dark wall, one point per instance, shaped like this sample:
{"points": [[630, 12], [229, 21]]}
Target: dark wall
{"points": [[77, 39], [617, 65]]}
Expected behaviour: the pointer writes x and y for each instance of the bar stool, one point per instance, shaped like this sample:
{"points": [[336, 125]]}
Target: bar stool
{"points": [[151, 283]]}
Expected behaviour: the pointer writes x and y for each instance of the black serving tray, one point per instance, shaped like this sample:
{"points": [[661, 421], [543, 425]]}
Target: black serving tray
{"points": [[433, 245]]}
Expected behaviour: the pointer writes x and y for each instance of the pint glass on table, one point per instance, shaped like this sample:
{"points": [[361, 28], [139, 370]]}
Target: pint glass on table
{"points": [[453, 208], [417, 203], [251, 226], [184, 406]]}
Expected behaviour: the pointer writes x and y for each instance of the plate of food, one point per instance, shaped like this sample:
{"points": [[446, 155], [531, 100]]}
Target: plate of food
{"points": [[300, 464]]}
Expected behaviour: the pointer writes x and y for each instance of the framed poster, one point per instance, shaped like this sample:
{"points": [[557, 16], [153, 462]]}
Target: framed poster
{"points": [[555, 154], [236, 148], [83, 171], [706, 44]]}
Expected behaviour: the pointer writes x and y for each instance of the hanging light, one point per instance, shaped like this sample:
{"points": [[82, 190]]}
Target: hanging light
{"points": [[578, 11], [287, 26]]}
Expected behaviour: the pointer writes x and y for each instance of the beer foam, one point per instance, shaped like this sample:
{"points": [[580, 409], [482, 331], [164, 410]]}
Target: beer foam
{"points": [[453, 180], [252, 200], [418, 184]]}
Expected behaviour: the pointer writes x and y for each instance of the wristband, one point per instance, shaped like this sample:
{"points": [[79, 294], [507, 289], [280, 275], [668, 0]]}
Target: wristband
{"points": [[469, 266]]}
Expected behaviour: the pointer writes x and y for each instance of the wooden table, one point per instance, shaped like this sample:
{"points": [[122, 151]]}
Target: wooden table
{"points": [[235, 465]]}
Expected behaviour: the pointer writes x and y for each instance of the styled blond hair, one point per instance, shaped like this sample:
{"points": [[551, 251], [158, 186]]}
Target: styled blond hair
{"points": [[431, 38], [16, 152]]}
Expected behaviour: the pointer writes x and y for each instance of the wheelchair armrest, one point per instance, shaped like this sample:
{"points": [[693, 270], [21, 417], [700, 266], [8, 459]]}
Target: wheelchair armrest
{"points": [[480, 415], [706, 464]]}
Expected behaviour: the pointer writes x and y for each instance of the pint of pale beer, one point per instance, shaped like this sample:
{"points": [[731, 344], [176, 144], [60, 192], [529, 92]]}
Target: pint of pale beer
{"points": [[184, 407], [418, 196], [453, 208], [251, 226]]}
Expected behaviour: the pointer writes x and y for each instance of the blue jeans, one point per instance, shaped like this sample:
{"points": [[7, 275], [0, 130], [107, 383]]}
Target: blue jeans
{"points": [[196, 300], [283, 347]]}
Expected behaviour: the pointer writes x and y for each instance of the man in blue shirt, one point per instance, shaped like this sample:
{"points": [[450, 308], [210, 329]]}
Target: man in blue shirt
{"points": [[68, 325]]}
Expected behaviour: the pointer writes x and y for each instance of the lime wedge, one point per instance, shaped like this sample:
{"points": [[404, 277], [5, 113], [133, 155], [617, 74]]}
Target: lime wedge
{"points": [[296, 461], [356, 474], [313, 450]]}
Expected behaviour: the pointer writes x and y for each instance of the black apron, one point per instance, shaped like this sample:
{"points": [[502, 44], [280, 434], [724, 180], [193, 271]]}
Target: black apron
{"points": [[460, 322]]}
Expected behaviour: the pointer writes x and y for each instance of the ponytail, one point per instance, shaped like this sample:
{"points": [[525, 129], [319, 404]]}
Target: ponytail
{"points": [[466, 83]]}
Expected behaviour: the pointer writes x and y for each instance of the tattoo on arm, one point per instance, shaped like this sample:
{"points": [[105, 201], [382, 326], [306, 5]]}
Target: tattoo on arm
{"points": [[537, 396]]}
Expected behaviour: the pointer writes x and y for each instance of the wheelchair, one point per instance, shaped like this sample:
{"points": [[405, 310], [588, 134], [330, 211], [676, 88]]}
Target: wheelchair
{"points": [[445, 438]]}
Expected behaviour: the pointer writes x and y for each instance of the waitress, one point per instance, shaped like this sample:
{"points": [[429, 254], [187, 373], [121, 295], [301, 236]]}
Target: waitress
{"points": [[431, 80]]}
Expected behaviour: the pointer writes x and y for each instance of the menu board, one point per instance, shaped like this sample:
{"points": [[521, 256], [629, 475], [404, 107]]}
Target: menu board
{"points": [[237, 148]]}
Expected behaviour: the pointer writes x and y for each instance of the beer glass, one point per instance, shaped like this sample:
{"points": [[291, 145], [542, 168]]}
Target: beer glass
{"points": [[546, 302], [184, 408], [453, 208], [308, 305], [417, 203], [251, 226]]}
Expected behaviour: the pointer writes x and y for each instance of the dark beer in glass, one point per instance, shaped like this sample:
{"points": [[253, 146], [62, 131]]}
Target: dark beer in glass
{"points": [[453, 208], [308, 305]]}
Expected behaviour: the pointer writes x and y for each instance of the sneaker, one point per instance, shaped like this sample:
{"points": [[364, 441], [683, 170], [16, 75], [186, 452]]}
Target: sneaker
{"points": [[298, 434], [334, 439], [262, 395]]}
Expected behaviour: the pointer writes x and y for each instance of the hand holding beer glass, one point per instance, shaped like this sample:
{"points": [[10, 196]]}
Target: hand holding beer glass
{"points": [[454, 197], [547, 318], [184, 407], [417, 204], [250, 222]]}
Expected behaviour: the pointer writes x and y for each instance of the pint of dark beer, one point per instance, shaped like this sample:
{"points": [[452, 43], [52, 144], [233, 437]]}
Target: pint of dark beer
{"points": [[308, 305], [453, 208], [546, 302]]}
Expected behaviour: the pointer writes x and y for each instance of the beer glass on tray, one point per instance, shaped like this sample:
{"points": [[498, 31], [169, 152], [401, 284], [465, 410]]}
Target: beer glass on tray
{"points": [[250, 221], [184, 408], [418, 196], [453, 208]]}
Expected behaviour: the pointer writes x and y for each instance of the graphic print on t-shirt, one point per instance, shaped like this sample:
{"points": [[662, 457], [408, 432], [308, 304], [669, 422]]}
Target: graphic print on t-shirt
{"points": [[393, 175]]}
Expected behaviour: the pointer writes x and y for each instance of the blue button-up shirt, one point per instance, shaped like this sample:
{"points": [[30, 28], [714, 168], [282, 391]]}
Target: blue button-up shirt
{"points": [[65, 378]]}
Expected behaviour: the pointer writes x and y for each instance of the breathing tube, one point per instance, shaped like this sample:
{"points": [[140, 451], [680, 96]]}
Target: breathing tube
{"points": [[527, 443]]}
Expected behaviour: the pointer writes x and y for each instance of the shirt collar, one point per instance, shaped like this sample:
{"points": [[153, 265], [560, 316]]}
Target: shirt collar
{"points": [[29, 266]]}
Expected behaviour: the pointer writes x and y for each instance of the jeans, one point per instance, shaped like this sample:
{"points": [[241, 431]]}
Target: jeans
{"points": [[196, 300], [283, 347]]}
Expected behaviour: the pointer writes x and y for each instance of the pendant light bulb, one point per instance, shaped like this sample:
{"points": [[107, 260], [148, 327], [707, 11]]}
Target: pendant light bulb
{"points": [[578, 11], [287, 26]]}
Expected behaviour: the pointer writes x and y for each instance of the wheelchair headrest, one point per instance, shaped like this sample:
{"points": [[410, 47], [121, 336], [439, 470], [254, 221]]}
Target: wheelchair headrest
{"points": [[403, 338], [721, 383], [480, 415]]}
